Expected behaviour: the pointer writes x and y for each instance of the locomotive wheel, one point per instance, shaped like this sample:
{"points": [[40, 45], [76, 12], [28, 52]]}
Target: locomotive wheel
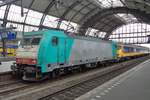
{"points": [[17, 74], [67, 71], [83, 68], [94, 65], [54, 73]]}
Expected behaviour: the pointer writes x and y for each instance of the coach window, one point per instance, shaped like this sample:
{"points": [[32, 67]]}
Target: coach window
{"points": [[55, 41]]}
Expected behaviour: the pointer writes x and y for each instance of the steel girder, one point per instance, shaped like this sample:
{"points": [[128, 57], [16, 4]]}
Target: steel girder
{"points": [[108, 24], [110, 11], [6, 15], [79, 11], [139, 14], [21, 23], [9, 3], [87, 15], [73, 5], [27, 15], [45, 13]]}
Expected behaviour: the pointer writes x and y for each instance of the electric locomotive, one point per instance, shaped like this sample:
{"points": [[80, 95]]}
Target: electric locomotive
{"points": [[45, 53]]}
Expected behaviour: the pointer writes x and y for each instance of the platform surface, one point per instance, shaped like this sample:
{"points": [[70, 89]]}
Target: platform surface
{"points": [[6, 59], [5, 66], [131, 85]]}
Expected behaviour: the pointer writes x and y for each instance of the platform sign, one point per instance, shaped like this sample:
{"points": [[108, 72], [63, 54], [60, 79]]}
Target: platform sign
{"points": [[11, 35]]}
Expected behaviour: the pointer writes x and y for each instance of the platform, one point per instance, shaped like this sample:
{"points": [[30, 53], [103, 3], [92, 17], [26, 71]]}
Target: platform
{"points": [[132, 85], [6, 63], [6, 59], [6, 66]]}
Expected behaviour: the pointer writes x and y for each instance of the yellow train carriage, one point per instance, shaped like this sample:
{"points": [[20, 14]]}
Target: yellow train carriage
{"points": [[131, 50], [10, 51]]}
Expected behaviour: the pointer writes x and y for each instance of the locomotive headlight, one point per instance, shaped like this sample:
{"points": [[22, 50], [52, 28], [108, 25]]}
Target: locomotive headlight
{"points": [[34, 61], [18, 60]]}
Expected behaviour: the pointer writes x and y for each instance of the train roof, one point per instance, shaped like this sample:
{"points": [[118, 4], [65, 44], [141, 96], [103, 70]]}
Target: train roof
{"points": [[33, 33], [89, 38], [63, 34], [135, 46]]}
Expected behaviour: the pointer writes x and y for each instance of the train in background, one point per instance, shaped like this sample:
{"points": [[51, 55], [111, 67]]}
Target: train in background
{"points": [[10, 50], [46, 53], [130, 51], [8, 44]]}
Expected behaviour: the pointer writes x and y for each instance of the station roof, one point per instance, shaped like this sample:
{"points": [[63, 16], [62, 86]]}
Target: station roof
{"points": [[104, 15]]}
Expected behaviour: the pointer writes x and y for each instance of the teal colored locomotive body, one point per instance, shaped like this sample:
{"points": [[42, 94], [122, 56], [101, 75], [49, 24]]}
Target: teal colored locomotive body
{"points": [[45, 53]]}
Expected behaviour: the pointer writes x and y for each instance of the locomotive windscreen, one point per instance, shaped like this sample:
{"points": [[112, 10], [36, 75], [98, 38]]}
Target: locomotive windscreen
{"points": [[35, 41], [27, 41], [32, 41]]}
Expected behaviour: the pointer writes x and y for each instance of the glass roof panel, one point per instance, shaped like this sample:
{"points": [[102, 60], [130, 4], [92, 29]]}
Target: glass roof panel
{"points": [[95, 33], [30, 28], [128, 18], [51, 21], [69, 26], [15, 14], [132, 33], [110, 3], [2, 11], [116, 3], [34, 17]]}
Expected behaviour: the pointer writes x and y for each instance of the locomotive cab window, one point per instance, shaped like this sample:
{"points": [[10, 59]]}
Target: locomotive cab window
{"points": [[55, 41], [35, 41], [27, 41]]}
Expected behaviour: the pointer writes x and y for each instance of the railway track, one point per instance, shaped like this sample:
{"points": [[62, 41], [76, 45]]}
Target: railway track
{"points": [[6, 79], [13, 88], [66, 87], [3, 84], [5, 76], [79, 89]]}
